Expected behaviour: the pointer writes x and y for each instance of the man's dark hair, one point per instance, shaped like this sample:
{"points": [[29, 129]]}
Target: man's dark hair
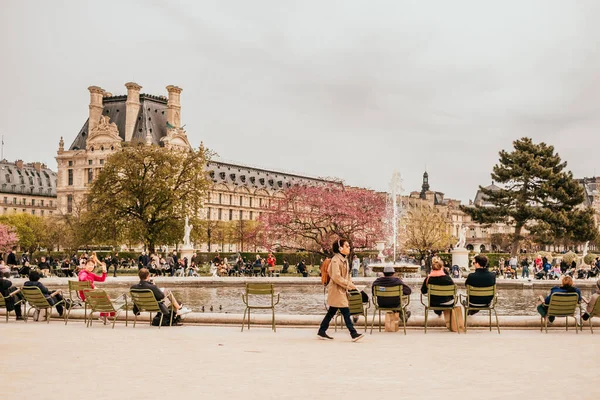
{"points": [[481, 260], [34, 276], [388, 274], [338, 244], [143, 274]]}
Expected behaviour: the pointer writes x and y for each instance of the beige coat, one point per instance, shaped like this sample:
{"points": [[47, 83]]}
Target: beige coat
{"points": [[340, 282]]}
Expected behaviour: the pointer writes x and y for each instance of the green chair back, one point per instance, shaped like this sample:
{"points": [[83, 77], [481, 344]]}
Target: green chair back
{"points": [[596, 311], [34, 296], [144, 300], [441, 290], [389, 291], [563, 304], [99, 301], [481, 291], [355, 303], [76, 287]]}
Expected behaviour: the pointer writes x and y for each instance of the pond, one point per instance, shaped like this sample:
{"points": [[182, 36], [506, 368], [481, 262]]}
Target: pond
{"points": [[310, 299]]}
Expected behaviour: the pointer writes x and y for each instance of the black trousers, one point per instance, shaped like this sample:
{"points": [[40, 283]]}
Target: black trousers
{"points": [[345, 311]]}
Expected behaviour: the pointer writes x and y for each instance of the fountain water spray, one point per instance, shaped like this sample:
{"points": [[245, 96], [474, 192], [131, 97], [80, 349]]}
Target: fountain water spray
{"points": [[396, 189]]}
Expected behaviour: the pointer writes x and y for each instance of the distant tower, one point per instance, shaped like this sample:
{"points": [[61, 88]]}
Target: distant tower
{"points": [[425, 186]]}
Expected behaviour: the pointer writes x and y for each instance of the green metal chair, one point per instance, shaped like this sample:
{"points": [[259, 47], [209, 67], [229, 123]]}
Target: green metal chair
{"points": [[99, 301], [145, 301], [480, 291], [595, 313], [74, 288], [254, 291], [389, 291], [561, 305], [37, 301], [442, 291], [3, 302], [357, 307]]}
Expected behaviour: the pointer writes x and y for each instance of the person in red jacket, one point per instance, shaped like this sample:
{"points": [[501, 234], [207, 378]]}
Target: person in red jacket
{"points": [[271, 263]]}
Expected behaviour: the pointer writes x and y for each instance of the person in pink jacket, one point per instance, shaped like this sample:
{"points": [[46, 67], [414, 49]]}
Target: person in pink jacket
{"points": [[86, 274]]}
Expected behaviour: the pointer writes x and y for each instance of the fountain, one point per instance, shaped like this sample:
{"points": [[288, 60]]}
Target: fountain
{"points": [[406, 269]]}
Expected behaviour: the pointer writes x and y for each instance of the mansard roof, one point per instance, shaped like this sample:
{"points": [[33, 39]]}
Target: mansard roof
{"points": [[151, 118], [233, 174], [32, 179]]}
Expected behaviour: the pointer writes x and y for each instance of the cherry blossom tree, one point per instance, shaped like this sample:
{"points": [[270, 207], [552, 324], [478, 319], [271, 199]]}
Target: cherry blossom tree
{"points": [[310, 218], [8, 238]]}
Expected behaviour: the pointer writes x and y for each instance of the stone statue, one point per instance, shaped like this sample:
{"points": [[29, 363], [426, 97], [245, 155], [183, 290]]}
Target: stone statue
{"points": [[187, 231], [462, 238]]}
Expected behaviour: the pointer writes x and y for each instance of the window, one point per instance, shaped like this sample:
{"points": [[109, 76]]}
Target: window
{"points": [[14, 200], [32, 212], [220, 200], [241, 198], [241, 215], [33, 202], [30, 180], [90, 173], [208, 213], [70, 163], [70, 178], [42, 212], [5, 200], [69, 203], [7, 176], [24, 201], [250, 201], [251, 215], [220, 214], [42, 203], [260, 202], [101, 162], [50, 203], [230, 215], [23, 180], [230, 199], [89, 162]]}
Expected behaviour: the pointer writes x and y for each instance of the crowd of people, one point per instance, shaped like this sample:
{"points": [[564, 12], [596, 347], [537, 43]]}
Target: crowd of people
{"points": [[542, 268]]}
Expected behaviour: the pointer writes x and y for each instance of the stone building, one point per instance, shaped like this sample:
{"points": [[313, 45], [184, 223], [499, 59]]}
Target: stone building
{"points": [[27, 188], [239, 192]]}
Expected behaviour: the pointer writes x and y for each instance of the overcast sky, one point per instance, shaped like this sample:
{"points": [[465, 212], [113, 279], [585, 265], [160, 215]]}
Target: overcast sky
{"points": [[348, 89]]}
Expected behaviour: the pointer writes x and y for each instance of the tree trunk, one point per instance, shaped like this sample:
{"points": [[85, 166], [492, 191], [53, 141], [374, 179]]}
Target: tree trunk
{"points": [[516, 242]]}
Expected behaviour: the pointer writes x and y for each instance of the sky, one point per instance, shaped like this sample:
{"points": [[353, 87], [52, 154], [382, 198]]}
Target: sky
{"points": [[348, 89]]}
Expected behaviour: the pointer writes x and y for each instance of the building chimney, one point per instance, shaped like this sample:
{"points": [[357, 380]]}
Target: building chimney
{"points": [[19, 164], [174, 106], [38, 166], [132, 108], [96, 107]]}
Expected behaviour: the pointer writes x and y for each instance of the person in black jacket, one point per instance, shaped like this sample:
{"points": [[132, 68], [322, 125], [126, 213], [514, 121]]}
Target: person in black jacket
{"points": [[438, 276], [52, 297], [480, 278], [11, 259], [388, 280], [164, 299], [11, 295]]}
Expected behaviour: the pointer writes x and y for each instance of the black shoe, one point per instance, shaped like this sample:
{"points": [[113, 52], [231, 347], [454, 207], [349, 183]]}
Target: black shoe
{"points": [[324, 336], [357, 336], [355, 318], [551, 318], [585, 316], [20, 318]]}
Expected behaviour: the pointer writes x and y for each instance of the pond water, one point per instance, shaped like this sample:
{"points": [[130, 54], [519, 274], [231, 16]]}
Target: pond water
{"points": [[310, 299]]}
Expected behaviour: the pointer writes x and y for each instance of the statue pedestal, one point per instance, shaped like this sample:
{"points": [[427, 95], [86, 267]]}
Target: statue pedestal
{"points": [[187, 252], [460, 257]]}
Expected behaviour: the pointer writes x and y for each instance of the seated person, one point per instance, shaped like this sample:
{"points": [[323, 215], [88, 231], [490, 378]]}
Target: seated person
{"points": [[301, 268], [591, 302], [11, 295], [554, 272], [480, 278], [567, 287], [438, 276], [582, 273], [286, 266], [52, 297], [164, 299], [44, 267], [193, 269], [387, 280], [508, 272], [539, 272]]}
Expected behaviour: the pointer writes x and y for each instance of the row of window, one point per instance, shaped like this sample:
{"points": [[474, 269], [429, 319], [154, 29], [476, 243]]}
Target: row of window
{"points": [[90, 162], [24, 190], [33, 212], [24, 202], [8, 179], [89, 173], [228, 215], [242, 200]]}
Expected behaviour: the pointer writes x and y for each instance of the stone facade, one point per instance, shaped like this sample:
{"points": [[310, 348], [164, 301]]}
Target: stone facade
{"points": [[27, 188]]}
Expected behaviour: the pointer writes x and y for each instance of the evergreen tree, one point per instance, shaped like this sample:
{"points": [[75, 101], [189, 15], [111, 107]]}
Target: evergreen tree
{"points": [[538, 194]]}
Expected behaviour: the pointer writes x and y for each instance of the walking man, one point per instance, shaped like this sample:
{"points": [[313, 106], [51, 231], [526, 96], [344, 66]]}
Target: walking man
{"points": [[337, 290]]}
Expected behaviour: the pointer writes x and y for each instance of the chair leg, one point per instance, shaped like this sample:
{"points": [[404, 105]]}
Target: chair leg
{"points": [[404, 320], [490, 321], [366, 319], [134, 319], [497, 322], [426, 315], [379, 320], [48, 314], [373, 321], [244, 318], [249, 318], [274, 327], [68, 313], [467, 316]]}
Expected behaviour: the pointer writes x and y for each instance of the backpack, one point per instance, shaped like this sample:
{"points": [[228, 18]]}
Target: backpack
{"points": [[324, 271]]}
